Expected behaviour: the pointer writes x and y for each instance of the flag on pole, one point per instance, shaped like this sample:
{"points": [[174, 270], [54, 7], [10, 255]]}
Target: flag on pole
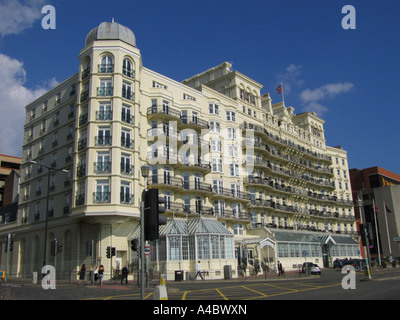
{"points": [[376, 208], [279, 89], [387, 208]]}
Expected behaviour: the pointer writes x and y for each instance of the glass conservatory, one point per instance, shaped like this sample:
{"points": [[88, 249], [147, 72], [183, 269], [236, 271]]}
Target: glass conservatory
{"points": [[184, 242]]}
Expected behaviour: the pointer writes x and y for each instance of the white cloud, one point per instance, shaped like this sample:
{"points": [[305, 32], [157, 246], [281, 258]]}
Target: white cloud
{"points": [[310, 97], [14, 96], [16, 16], [330, 90], [315, 107], [290, 77]]}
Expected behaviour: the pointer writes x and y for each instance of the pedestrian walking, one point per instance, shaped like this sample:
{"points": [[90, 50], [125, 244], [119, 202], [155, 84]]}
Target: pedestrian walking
{"points": [[81, 274], [125, 273], [101, 275], [280, 269], [198, 271]]}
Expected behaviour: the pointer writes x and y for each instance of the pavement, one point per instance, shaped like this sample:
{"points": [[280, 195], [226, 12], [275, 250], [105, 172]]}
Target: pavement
{"points": [[376, 274]]}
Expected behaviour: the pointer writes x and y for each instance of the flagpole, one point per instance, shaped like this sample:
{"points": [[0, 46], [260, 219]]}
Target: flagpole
{"points": [[377, 233], [387, 230], [283, 96]]}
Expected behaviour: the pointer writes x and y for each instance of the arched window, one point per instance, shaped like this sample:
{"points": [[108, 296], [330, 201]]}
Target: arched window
{"points": [[127, 69], [106, 65]]}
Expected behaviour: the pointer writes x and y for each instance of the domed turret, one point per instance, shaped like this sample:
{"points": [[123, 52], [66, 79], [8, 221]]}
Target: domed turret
{"points": [[111, 31]]}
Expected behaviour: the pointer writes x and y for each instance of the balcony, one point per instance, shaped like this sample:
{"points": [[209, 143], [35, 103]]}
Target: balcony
{"points": [[164, 111], [85, 73], [104, 91], [163, 180], [102, 167], [80, 199], [230, 193], [126, 169], [104, 115], [158, 132], [194, 122], [198, 209], [127, 94], [80, 171], [126, 117], [101, 197], [83, 118], [126, 143], [82, 143], [126, 198], [103, 141], [84, 95], [128, 72], [197, 186], [106, 68]]}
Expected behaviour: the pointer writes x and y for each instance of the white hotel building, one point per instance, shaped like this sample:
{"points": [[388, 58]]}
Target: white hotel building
{"points": [[246, 182]]}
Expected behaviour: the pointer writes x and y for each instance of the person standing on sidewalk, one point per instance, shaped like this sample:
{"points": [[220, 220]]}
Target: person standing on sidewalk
{"points": [[101, 275], [125, 273], [198, 271], [280, 270], [81, 274]]}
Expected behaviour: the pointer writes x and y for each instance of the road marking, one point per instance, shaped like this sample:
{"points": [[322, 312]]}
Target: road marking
{"points": [[225, 298], [283, 288], [258, 292], [301, 290]]}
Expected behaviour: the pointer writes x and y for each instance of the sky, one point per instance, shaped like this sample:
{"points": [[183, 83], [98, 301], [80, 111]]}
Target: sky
{"points": [[350, 77]]}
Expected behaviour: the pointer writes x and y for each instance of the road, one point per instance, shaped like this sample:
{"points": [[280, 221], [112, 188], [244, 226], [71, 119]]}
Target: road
{"points": [[385, 285]]}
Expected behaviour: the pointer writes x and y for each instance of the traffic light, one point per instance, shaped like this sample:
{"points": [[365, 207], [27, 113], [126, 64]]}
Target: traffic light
{"points": [[152, 211], [363, 235], [110, 252], [89, 248], [53, 248], [134, 244]]}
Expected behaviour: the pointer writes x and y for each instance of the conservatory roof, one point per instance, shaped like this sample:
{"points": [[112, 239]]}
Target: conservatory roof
{"points": [[295, 236], [188, 227]]}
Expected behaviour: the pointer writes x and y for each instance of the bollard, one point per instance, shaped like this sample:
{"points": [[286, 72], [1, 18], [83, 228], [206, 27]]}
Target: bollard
{"points": [[160, 293], [34, 277], [163, 280]]}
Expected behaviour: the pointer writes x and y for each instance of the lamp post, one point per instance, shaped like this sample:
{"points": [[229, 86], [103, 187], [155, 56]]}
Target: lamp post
{"points": [[366, 247], [49, 170], [145, 169]]}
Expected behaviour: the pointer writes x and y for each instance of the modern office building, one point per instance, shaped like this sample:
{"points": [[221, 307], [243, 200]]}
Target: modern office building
{"points": [[379, 192], [246, 182]]}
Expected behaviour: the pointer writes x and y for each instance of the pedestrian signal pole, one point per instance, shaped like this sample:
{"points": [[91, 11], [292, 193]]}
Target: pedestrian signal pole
{"points": [[145, 169]]}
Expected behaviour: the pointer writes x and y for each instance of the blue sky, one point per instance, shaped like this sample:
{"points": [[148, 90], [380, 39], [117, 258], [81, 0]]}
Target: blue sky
{"points": [[349, 77]]}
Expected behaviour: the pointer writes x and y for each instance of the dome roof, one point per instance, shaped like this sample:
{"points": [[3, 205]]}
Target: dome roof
{"points": [[111, 31]]}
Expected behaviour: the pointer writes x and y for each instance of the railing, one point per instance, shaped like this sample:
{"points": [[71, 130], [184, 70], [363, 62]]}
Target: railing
{"points": [[103, 141], [106, 68], [165, 180], [102, 167], [103, 115], [194, 121], [196, 185], [101, 197], [104, 91], [164, 110]]}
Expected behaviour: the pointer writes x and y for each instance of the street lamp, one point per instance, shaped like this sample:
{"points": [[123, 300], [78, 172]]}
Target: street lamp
{"points": [[363, 234], [49, 170], [145, 169]]}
